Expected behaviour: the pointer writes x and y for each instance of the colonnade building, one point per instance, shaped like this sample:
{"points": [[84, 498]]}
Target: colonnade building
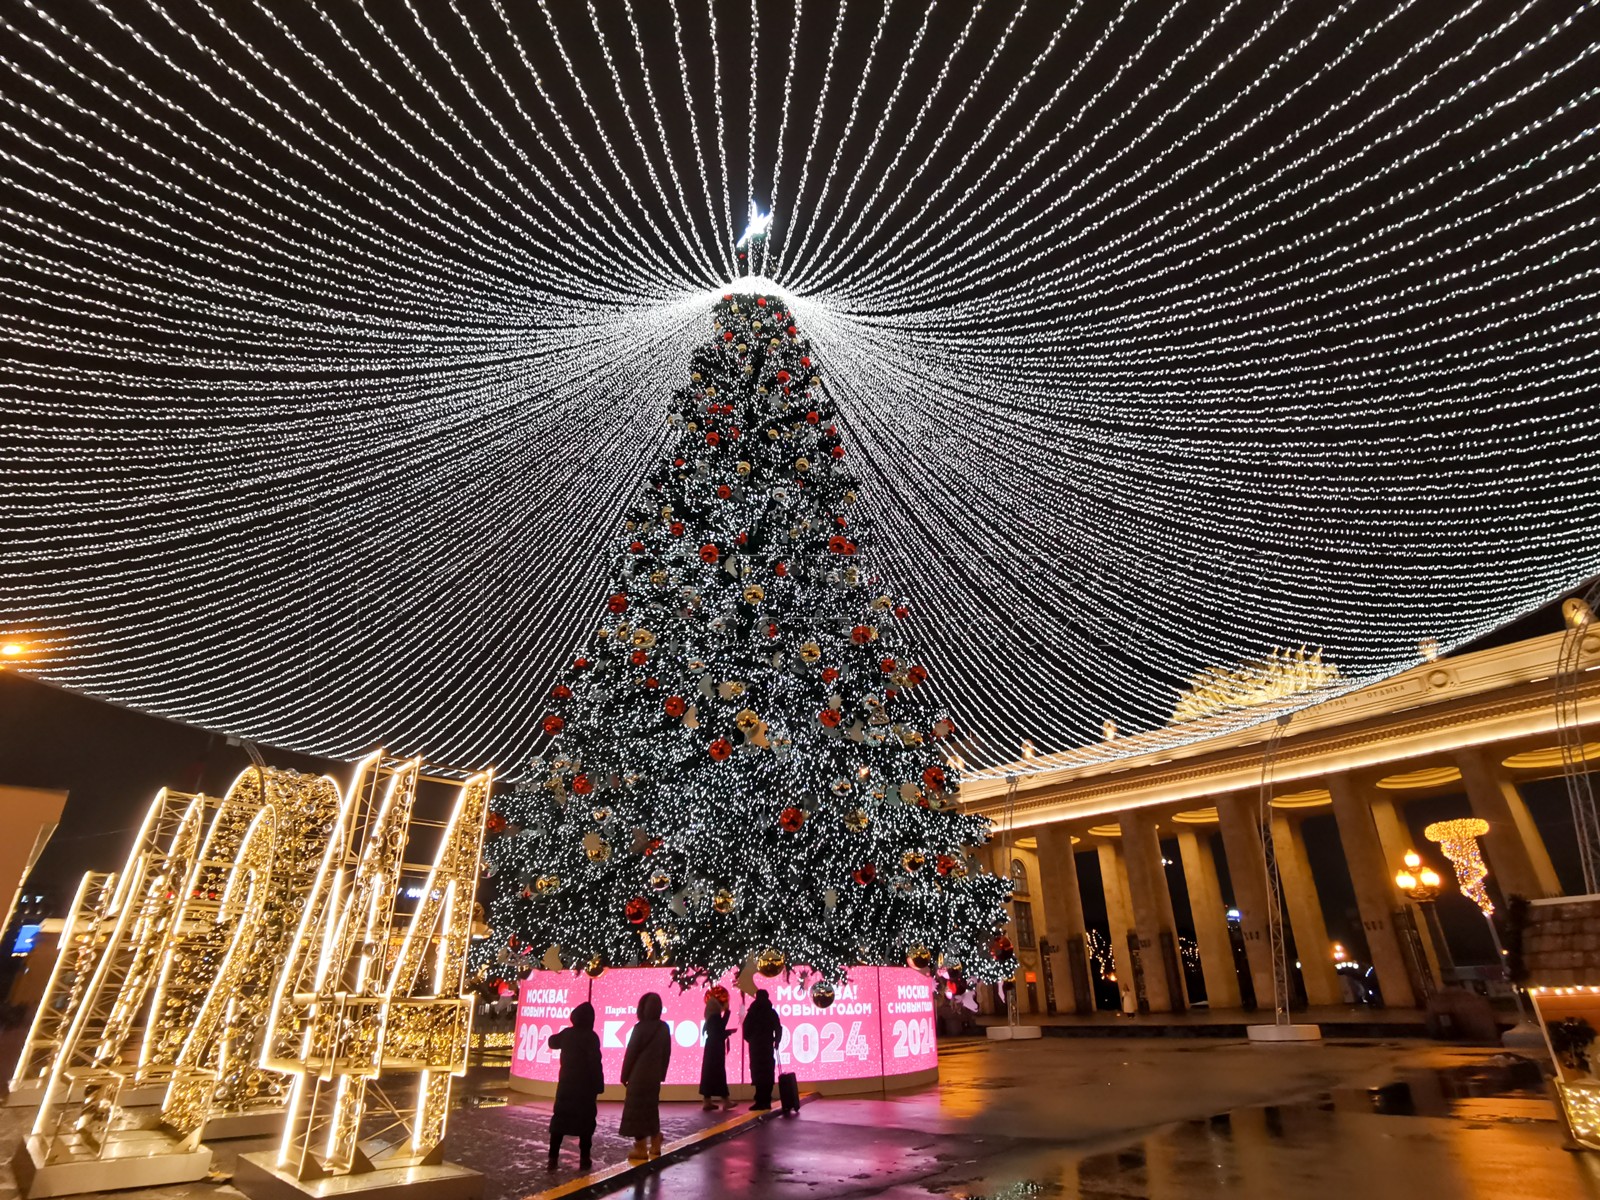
{"points": [[1477, 726]]}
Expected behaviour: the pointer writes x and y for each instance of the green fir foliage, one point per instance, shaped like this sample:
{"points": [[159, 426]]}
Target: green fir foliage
{"points": [[745, 759]]}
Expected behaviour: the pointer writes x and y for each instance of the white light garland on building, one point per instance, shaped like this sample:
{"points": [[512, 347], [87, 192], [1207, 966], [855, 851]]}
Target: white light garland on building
{"points": [[1162, 335]]}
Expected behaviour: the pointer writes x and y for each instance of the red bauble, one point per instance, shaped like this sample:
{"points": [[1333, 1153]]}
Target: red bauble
{"points": [[709, 553], [918, 673], [675, 706], [552, 724], [839, 544], [840, 520], [582, 785], [761, 301], [677, 462], [580, 663], [805, 360], [742, 537], [638, 658], [792, 331], [494, 822], [727, 335], [561, 692], [724, 492], [652, 682], [813, 417], [791, 819], [901, 611], [618, 603], [727, 295], [829, 674], [861, 634], [713, 438], [886, 665], [676, 529], [637, 910], [933, 779], [733, 432], [1000, 947], [636, 547], [944, 864], [720, 749], [865, 874], [781, 570], [837, 452], [783, 377], [830, 717], [772, 630], [890, 693]]}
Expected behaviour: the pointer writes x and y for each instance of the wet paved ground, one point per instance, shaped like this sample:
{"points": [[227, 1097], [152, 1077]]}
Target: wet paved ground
{"points": [[1104, 1119], [1148, 1121]]}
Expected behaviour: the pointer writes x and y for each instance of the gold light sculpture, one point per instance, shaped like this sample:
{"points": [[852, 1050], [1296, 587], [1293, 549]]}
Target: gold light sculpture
{"points": [[1281, 675], [250, 945], [369, 993], [1459, 841], [83, 938]]}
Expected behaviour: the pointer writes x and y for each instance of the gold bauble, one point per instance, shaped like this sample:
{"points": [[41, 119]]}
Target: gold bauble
{"points": [[747, 719], [912, 860], [546, 884], [856, 820], [920, 957], [660, 881], [598, 850], [802, 464], [723, 901], [742, 468], [600, 815], [770, 962], [595, 967], [755, 594]]}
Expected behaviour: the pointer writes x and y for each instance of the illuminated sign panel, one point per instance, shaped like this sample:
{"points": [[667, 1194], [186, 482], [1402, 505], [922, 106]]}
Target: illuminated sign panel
{"points": [[880, 1023]]}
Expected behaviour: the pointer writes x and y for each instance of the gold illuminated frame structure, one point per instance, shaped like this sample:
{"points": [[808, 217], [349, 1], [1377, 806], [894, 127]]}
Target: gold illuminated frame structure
{"points": [[165, 1018], [371, 992]]}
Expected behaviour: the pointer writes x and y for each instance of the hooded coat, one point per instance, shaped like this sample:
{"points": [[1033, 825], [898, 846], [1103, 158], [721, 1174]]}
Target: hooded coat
{"points": [[582, 1078], [644, 1066]]}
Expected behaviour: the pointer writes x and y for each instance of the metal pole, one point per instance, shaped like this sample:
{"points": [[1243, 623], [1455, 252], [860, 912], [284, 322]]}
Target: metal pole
{"points": [[1500, 957]]}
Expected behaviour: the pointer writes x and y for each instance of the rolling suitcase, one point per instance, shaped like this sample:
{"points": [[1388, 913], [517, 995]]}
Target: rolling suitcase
{"points": [[789, 1092]]}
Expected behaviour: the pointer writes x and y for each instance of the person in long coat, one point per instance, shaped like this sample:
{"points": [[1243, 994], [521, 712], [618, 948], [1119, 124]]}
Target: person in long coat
{"points": [[763, 1032], [579, 1084], [714, 1058], [644, 1066]]}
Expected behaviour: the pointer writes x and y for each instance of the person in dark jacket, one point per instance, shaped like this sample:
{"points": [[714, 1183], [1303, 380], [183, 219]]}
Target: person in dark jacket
{"points": [[714, 1058], [582, 1079], [644, 1066], [762, 1033]]}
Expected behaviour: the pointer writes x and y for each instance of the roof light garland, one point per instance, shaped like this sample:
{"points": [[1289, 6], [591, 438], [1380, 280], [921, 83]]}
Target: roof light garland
{"points": [[342, 339]]}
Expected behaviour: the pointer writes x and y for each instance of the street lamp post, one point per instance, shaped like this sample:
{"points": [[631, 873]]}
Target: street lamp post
{"points": [[1421, 885]]}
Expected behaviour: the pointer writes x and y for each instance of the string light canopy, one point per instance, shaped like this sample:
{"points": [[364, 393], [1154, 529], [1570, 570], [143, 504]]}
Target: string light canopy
{"points": [[1164, 336]]}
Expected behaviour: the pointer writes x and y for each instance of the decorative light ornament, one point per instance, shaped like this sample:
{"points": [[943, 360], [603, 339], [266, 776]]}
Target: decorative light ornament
{"points": [[1459, 841]]}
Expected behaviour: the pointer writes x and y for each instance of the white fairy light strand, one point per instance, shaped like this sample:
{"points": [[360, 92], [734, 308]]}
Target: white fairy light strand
{"points": [[340, 339]]}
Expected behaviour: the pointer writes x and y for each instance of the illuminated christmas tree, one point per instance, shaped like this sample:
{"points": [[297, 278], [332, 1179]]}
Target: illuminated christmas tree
{"points": [[745, 761]]}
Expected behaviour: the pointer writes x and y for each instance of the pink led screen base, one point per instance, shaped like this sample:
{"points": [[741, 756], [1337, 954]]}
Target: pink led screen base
{"points": [[879, 1030]]}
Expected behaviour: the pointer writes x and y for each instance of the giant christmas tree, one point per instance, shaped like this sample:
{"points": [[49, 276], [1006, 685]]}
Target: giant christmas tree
{"points": [[744, 762]]}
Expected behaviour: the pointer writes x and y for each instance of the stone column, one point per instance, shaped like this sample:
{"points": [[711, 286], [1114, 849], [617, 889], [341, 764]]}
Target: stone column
{"points": [[1152, 912], [1516, 852], [1373, 879], [1305, 911], [1247, 868], [1063, 916], [1210, 917], [1119, 911]]}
